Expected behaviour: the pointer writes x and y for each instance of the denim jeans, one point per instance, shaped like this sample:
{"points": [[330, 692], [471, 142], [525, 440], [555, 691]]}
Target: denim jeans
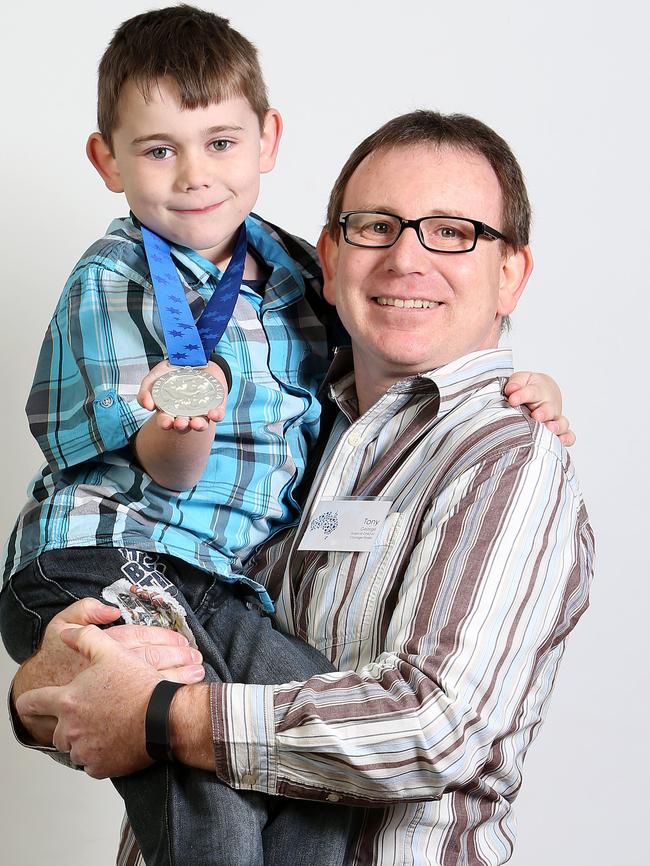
{"points": [[181, 815]]}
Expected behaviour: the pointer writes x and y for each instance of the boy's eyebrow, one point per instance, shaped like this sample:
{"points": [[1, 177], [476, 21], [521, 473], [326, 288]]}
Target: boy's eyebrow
{"points": [[166, 136]]}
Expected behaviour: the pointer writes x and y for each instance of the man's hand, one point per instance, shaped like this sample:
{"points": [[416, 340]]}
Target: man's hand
{"points": [[181, 424], [99, 715], [541, 394], [56, 664]]}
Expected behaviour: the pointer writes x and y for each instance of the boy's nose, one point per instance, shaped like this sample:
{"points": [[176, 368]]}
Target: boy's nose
{"points": [[195, 172]]}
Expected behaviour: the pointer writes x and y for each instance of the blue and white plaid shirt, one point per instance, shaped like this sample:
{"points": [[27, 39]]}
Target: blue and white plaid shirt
{"points": [[103, 339]]}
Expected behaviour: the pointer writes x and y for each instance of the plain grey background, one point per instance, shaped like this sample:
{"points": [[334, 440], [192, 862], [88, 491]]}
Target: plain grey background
{"points": [[565, 83]]}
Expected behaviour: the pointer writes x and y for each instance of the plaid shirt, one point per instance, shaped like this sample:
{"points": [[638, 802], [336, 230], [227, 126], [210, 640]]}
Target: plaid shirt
{"points": [[447, 635], [103, 339]]}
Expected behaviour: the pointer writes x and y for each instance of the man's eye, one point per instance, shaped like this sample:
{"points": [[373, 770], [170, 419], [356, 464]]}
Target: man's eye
{"points": [[221, 144], [377, 228], [448, 232], [159, 152]]}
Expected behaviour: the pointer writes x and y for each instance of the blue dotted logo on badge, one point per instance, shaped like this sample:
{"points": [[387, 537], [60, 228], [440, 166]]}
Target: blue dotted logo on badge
{"points": [[328, 522]]}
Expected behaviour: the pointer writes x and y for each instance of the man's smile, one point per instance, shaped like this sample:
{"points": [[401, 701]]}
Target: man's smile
{"points": [[407, 303]]}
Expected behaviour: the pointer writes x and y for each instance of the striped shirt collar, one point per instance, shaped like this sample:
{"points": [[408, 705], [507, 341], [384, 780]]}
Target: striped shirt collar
{"points": [[450, 382]]}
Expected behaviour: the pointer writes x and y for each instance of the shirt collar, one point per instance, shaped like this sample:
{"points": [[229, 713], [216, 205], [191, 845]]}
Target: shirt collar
{"points": [[286, 282], [451, 382]]}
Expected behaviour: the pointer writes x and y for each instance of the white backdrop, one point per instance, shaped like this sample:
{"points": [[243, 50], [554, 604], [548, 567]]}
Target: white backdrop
{"points": [[565, 83]]}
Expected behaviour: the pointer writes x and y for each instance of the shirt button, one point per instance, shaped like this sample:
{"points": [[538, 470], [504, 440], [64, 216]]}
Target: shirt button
{"points": [[355, 439], [333, 798], [248, 779], [107, 402]]}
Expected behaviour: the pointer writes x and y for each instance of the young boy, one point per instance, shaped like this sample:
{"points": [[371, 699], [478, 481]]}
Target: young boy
{"points": [[184, 131]]}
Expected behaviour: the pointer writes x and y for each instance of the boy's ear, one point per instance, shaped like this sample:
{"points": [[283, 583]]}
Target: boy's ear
{"points": [[99, 153], [270, 140], [328, 253], [516, 268]]}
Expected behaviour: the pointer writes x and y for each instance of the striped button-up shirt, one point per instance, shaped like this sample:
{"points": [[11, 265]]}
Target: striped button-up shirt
{"points": [[447, 634], [103, 339]]}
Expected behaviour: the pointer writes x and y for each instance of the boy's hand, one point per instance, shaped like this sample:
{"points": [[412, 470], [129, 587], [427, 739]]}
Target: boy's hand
{"points": [[541, 394], [180, 423]]}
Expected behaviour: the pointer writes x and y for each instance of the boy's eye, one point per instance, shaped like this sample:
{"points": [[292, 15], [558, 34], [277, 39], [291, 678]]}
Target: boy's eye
{"points": [[159, 152], [220, 144]]}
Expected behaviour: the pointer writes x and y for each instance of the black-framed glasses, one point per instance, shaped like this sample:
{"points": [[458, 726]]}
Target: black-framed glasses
{"points": [[437, 233]]}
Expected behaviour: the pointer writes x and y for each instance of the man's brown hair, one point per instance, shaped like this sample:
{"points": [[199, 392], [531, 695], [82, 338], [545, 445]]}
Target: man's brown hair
{"points": [[207, 59], [446, 130]]}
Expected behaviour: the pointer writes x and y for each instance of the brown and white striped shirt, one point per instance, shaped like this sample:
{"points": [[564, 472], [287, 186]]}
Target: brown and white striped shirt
{"points": [[447, 635]]}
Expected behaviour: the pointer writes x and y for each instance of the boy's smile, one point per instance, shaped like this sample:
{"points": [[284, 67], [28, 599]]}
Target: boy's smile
{"points": [[190, 175]]}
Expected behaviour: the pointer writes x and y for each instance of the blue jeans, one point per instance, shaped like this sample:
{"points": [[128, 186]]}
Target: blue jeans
{"points": [[181, 815]]}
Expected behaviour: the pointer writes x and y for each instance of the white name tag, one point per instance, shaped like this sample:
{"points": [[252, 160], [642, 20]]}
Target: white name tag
{"points": [[346, 524]]}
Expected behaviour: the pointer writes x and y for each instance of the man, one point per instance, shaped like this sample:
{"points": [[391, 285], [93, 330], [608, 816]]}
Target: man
{"points": [[444, 554]]}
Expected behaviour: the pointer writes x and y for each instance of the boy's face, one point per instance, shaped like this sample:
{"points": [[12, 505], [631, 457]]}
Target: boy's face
{"points": [[190, 175]]}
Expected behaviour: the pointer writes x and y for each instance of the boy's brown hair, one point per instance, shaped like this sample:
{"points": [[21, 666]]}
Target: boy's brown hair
{"points": [[207, 59]]}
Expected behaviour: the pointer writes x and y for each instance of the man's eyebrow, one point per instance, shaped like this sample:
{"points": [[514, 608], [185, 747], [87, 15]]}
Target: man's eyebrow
{"points": [[167, 136], [382, 208]]}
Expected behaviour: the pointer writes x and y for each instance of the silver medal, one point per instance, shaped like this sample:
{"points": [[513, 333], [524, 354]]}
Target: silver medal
{"points": [[187, 391]]}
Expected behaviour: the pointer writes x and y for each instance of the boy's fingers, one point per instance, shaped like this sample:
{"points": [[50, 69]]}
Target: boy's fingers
{"points": [[181, 423], [568, 439], [516, 381], [146, 400]]}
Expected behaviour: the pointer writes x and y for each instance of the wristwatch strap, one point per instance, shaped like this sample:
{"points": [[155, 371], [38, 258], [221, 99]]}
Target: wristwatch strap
{"points": [[156, 725]]}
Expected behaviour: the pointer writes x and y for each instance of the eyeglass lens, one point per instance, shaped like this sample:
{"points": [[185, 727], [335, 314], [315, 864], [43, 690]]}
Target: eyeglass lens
{"points": [[447, 234]]}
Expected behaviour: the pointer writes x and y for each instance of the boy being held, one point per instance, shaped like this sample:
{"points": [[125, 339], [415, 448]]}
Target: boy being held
{"points": [[184, 131]]}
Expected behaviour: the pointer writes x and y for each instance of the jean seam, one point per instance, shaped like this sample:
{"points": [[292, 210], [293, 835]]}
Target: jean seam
{"points": [[37, 628], [204, 598], [51, 580], [170, 853], [27, 610]]}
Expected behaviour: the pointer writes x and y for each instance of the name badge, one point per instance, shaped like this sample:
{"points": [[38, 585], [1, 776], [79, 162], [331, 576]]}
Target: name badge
{"points": [[347, 524]]}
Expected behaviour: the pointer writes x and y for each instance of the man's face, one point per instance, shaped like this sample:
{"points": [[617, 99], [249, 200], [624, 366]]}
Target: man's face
{"points": [[466, 293], [190, 175]]}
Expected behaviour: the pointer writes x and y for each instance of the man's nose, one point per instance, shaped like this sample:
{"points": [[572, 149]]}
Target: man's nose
{"points": [[194, 171], [407, 255]]}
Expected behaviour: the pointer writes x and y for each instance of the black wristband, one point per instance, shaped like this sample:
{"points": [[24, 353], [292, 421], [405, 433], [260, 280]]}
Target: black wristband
{"points": [[156, 724], [225, 368]]}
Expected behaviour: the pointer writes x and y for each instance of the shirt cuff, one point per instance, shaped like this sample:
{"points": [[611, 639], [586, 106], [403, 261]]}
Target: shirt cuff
{"points": [[243, 734], [21, 736]]}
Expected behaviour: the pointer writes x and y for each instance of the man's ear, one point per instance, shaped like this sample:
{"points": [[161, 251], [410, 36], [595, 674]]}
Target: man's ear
{"points": [[516, 267], [328, 253], [270, 140], [99, 153]]}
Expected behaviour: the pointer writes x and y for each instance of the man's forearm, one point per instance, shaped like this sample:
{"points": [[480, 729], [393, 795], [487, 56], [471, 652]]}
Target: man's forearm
{"points": [[191, 728]]}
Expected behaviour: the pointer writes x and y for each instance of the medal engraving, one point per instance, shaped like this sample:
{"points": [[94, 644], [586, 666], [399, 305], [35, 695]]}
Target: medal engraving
{"points": [[187, 392]]}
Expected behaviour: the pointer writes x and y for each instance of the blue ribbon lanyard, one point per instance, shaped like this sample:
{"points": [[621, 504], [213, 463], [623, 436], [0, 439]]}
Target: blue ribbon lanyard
{"points": [[190, 344]]}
